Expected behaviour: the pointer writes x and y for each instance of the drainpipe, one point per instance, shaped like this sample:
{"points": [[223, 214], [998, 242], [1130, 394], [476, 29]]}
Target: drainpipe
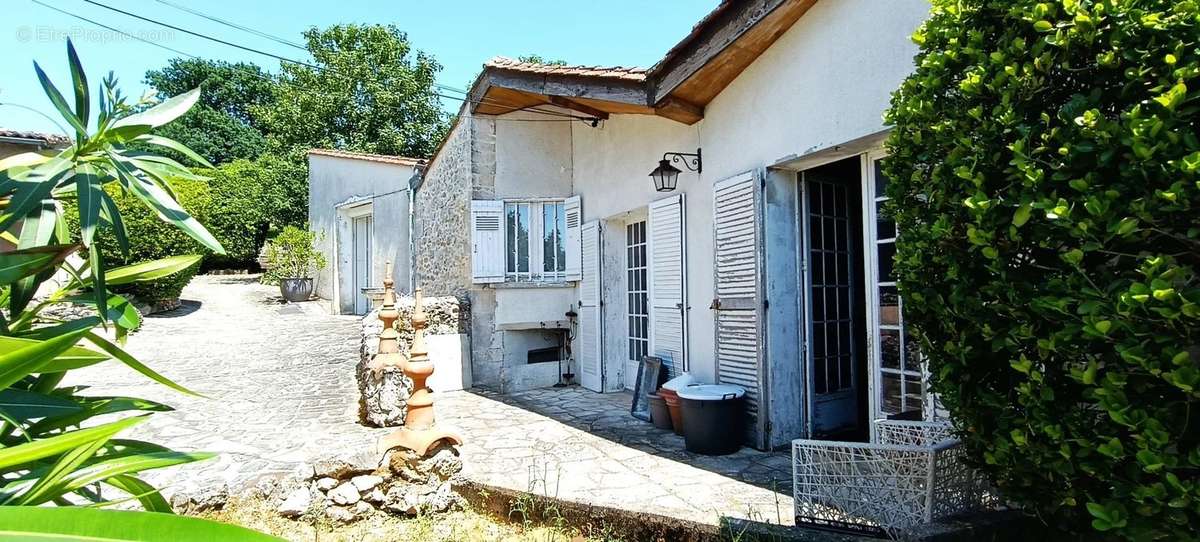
{"points": [[414, 182]]}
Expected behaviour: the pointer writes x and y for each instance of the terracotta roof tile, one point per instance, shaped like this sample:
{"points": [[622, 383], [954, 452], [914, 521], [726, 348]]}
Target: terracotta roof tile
{"points": [[617, 72], [384, 158], [52, 140]]}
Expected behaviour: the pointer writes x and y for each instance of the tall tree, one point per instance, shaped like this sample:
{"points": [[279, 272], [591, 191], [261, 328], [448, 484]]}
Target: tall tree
{"points": [[231, 88], [222, 126], [370, 92]]}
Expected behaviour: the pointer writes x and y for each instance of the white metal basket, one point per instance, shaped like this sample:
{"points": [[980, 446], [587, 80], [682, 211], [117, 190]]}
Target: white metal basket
{"points": [[912, 475]]}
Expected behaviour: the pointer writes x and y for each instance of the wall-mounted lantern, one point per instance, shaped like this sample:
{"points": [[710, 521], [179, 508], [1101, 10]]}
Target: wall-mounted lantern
{"points": [[666, 176]]}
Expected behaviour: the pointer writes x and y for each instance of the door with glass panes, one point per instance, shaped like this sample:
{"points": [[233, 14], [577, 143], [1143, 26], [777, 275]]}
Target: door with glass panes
{"points": [[835, 339], [898, 372]]}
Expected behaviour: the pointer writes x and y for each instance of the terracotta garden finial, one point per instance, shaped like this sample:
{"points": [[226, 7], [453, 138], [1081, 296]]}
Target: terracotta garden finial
{"points": [[389, 339], [420, 432]]}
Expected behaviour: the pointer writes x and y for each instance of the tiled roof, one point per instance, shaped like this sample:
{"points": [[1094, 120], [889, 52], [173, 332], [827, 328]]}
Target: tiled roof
{"points": [[384, 158], [617, 72], [51, 140]]}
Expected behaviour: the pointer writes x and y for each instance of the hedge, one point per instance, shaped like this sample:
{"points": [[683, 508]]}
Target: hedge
{"points": [[252, 198], [150, 238], [1045, 172]]}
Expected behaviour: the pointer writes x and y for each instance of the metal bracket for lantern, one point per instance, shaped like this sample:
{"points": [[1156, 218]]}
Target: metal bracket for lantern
{"points": [[666, 176]]}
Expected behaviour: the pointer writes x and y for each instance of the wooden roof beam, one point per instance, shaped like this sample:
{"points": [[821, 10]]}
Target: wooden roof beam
{"points": [[568, 103], [679, 110]]}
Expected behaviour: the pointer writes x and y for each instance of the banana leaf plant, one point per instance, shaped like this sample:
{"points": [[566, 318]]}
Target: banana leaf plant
{"points": [[59, 445]]}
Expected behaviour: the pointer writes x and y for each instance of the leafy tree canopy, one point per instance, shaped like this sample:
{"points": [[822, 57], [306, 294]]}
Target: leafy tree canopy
{"points": [[538, 59], [371, 92], [231, 88], [215, 135]]}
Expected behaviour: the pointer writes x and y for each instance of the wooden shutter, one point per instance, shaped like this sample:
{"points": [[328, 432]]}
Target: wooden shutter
{"points": [[591, 323], [738, 283], [668, 286], [574, 219], [487, 241]]}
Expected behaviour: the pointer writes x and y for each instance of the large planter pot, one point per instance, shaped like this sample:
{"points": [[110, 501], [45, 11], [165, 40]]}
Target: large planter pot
{"points": [[296, 289]]}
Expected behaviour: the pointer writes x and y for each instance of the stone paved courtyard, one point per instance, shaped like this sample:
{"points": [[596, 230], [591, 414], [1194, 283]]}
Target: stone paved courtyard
{"points": [[581, 446], [279, 393]]}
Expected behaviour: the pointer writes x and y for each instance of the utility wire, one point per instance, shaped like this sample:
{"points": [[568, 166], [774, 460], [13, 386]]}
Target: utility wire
{"points": [[231, 24], [285, 59], [569, 118]]}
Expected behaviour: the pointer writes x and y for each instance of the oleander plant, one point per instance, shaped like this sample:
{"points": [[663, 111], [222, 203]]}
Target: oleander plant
{"points": [[1045, 168], [63, 460]]}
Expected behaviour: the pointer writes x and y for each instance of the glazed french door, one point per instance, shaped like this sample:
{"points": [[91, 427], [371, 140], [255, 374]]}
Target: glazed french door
{"points": [[833, 352], [898, 370]]}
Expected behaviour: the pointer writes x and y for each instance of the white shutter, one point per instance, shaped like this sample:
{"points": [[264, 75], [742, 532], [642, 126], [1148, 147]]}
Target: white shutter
{"points": [[590, 316], [487, 241], [737, 280], [574, 253], [668, 307]]}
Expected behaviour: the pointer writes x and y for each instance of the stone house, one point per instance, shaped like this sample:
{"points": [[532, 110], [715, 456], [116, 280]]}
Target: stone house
{"points": [[767, 266], [350, 196]]}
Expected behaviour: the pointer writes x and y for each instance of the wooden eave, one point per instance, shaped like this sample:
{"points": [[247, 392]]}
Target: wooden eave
{"points": [[499, 91], [679, 87], [720, 48]]}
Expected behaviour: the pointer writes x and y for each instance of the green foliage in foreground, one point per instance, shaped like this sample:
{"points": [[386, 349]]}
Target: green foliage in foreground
{"points": [[116, 525], [1045, 170], [58, 444]]}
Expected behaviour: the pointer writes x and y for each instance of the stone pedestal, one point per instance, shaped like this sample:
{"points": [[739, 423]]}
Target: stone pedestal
{"points": [[383, 395]]}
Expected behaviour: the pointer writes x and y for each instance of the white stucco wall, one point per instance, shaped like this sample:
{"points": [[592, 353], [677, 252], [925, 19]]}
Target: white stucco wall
{"points": [[533, 156], [335, 181], [826, 81]]}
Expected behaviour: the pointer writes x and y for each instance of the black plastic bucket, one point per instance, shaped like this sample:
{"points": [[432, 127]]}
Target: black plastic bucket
{"points": [[713, 418]]}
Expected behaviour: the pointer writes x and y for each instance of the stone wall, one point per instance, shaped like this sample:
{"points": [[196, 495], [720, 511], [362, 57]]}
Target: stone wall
{"points": [[443, 208]]}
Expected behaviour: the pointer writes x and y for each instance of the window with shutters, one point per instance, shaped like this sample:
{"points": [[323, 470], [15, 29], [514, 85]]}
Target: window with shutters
{"points": [[535, 241]]}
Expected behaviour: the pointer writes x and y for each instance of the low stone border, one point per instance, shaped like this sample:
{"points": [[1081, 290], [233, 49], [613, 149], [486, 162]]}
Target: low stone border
{"points": [[400, 483]]}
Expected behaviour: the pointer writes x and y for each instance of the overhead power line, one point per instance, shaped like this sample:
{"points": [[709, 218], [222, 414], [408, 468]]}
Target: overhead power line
{"points": [[235, 45], [485, 101], [231, 24]]}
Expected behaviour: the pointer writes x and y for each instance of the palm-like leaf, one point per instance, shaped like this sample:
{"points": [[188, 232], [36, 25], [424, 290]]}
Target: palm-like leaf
{"points": [[51, 448]]}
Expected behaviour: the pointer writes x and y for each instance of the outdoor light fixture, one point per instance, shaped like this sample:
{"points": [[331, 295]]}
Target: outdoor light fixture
{"points": [[666, 175]]}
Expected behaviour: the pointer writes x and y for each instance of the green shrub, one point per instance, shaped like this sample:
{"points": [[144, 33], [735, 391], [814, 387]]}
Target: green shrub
{"points": [[150, 238], [1046, 183], [291, 255], [250, 199]]}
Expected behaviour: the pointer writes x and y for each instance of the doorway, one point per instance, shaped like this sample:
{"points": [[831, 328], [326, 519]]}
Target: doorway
{"points": [[833, 291], [362, 230]]}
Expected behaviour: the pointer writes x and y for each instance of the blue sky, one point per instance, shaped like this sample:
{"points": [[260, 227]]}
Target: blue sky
{"points": [[460, 34]]}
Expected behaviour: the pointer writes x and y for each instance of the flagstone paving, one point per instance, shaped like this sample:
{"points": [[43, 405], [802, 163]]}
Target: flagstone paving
{"points": [[279, 393]]}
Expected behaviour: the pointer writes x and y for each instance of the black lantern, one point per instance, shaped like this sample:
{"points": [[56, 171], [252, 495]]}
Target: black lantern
{"points": [[666, 175]]}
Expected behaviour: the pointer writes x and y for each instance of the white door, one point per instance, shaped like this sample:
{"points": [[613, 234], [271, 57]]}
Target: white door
{"points": [[668, 306], [362, 228], [591, 317], [738, 297]]}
